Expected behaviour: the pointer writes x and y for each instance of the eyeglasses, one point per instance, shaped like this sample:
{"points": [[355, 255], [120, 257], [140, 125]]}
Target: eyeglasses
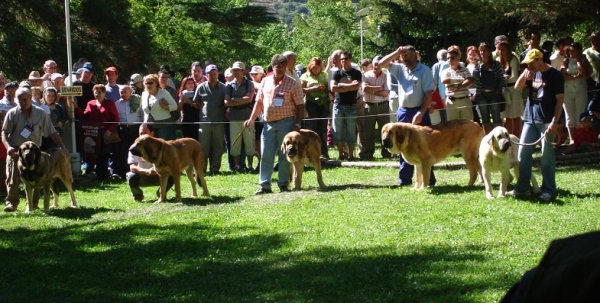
{"points": [[148, 83]]}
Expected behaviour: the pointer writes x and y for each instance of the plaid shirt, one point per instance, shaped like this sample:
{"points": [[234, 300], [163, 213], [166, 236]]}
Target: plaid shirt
{"points": [[371, 79], [292, 96]]}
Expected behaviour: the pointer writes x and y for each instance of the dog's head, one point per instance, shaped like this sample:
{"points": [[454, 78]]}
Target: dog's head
{"points": [[499, 140], [148, 147], [28, 153], [394, 136], [292, 144]]}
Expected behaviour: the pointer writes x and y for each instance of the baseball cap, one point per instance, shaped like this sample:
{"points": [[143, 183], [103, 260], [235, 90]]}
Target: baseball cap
{"points": [[532, 55], [135, 78], [34, 75], [211, 67], [12, 84], [228, 72], [111, 69], [237, 65], [88, 67], [257, 69]]}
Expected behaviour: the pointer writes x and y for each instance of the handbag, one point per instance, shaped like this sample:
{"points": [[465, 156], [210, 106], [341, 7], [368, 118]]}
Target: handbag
{"points": [[113, 138], [436, 101]]}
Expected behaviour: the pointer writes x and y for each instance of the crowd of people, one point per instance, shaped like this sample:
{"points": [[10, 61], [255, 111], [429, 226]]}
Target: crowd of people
{"points": [[246, 111]]}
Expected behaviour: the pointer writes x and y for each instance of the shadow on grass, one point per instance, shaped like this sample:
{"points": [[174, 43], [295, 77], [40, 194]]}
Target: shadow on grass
{"points": [[457, 189], [342, 187], [200, 263], [79, 213]]}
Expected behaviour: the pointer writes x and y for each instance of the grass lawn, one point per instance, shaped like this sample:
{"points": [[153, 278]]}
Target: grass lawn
{"points": [[359, 241]]}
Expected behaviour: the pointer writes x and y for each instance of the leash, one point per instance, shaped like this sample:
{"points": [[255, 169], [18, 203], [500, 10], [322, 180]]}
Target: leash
{"points": [[240, 135], [543, 137]]}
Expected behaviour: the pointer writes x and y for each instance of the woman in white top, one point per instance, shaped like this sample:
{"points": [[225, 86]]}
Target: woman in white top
{"points": [[457, 79], [157, 105], [575, 69], [514, 102]]}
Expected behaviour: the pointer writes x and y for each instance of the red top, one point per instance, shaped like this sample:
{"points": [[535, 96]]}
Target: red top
{"points": [[106, 112], [584, 135]]}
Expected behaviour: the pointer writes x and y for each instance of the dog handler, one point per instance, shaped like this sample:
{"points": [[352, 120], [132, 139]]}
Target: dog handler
{"points": [[543, 109], [21, 124]]}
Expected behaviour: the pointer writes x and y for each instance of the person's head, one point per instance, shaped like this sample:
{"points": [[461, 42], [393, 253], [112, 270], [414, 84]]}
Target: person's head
{"points": [[315, 66], [49, 67], [36, 93], [34, 78], [23, 97], [212, 71], [50, 95], [499, 39], [238, 69], [279, 64], [576, 50], [99, 92], [86, 74], [453, 55], [376, 65], [57, 80], [472, 54], [504, 50], [228, 75], [335, 57], [485, 51], [188, 84], [291, 59], [125, 92], [534, 59], [561, 45], [151, 83], [9, 89], [346, 59], [442, 55], [548, 46], [182, 72], [534, 39], [366, 65], [111, 75], [595, 40], [196, 71], [409, 56], [257, 73], [146, 129], [136, 80], [586, 120], [163, 78]]}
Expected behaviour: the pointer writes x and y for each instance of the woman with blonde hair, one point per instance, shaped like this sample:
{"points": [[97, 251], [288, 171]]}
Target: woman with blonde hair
{"points": [[157, 105]]}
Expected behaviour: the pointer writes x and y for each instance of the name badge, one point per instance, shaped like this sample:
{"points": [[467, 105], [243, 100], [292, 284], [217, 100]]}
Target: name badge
{"points": [[26, 132], [540, 93], [278, 101]]}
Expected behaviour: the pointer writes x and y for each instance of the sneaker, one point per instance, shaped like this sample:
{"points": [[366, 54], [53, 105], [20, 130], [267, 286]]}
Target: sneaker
{"points": [[237, 169], [9, 208], [283, 189], [138, 199], [262, 191], [546, 196], [516, 194]]}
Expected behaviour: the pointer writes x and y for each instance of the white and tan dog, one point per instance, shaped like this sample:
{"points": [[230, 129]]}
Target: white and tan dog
{"points": [[498, 152]]}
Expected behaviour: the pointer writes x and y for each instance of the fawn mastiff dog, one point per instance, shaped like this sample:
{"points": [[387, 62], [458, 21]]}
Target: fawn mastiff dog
{"points": [[39, 169], [498, 152], [423, 146], [169, 159], [303, 148]]}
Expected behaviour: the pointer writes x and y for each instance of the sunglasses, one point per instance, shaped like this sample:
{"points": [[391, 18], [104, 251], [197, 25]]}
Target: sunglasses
{"points": [[148, 83]]}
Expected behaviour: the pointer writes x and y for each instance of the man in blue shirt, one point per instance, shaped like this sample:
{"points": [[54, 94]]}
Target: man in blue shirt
{"points": [[415, 86]]}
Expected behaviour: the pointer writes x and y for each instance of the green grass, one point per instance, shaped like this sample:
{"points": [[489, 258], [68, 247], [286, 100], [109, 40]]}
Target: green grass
{"points": [[359, 241]]}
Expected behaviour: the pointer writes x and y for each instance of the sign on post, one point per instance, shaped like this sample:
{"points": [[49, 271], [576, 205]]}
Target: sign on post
{"points": [[71, 91]]}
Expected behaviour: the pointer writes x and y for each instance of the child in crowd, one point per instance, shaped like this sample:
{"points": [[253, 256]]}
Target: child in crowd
{"points": [[586, 137]]}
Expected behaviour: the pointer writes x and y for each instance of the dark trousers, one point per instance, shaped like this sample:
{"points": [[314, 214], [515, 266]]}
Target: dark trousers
{"points": [[319, 126], [407, 170]]}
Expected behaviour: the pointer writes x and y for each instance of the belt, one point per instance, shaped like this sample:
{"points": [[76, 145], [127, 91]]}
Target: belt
{"points": [[452, 98], [488, 90], [377, 103]]}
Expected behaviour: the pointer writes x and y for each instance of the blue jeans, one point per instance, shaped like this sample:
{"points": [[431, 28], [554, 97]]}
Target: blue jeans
{"points": [[531, 132], [168, 132], [272, 137], [407, 171], [489, 105], [344, 123]]}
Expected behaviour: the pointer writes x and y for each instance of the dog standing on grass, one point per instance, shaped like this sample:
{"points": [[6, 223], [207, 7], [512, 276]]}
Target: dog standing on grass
{"points": [[39, 169], [498, 152], [303, 148]]}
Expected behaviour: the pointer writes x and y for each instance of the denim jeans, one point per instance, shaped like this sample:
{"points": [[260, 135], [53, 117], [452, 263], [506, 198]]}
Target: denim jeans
{"points": [[489, 105], [407, 170], [531, 132], [344, 123], [272, 137]]}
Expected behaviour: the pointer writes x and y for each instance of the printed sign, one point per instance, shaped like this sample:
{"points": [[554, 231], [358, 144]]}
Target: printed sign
{"points": [[71, 91]]}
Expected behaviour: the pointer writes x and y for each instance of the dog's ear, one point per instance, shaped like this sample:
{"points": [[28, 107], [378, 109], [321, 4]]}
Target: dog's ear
{"points": [[283, 145], [491, 141]]}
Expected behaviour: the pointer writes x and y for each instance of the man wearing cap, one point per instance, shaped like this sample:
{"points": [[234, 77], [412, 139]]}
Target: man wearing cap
{"points": [[238, 98], [542, 112], [8, 101], [415, 88], [281, 101], [211, 94], [24, 123], [85, 81], [34, 78], [112, 88], [136, 84], [377, 110]]}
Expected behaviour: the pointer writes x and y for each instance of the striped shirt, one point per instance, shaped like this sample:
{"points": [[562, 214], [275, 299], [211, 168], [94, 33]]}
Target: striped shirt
{"points": [[370, 79], [271, 93], [456, 77]]}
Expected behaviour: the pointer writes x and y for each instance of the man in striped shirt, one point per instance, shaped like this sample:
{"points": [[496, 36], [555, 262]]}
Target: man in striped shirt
{"points": [[281, 101]]}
